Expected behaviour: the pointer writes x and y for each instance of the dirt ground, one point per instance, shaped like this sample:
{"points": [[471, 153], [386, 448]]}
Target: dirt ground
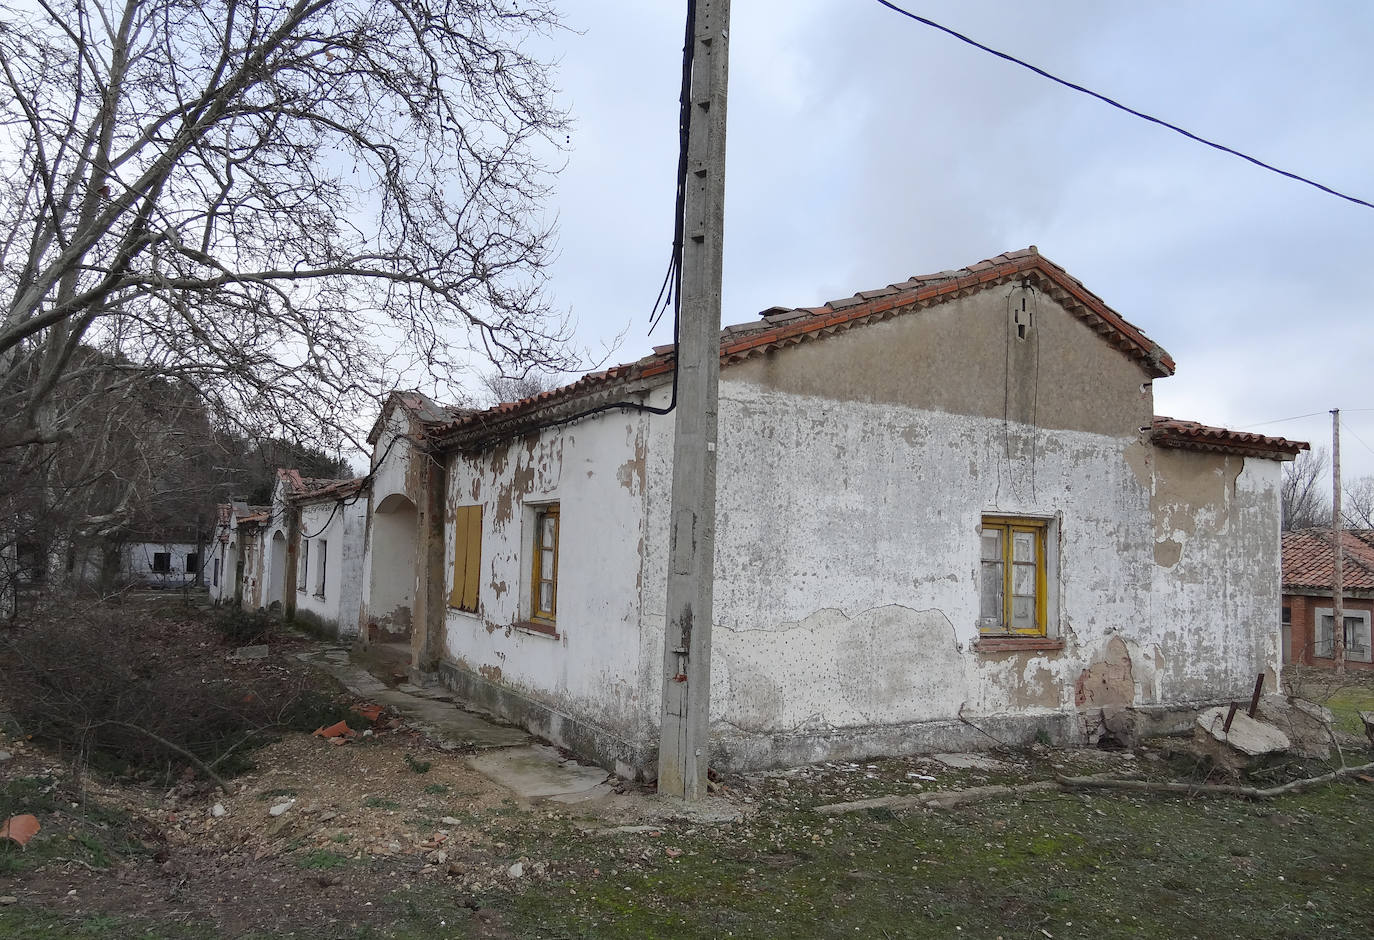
{"points": [[389, 836]]}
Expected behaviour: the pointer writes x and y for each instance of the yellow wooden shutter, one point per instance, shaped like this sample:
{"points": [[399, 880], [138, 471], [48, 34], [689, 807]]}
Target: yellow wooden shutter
{"points": [[472, 558], [460, 550]]}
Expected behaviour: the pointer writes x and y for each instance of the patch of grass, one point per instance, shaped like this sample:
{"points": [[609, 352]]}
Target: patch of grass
{"points": [[323, 860], [1346, 704], [1070, 864], [82, 830], [436, 789], [341, 837], [377, 802], [418, 766]]}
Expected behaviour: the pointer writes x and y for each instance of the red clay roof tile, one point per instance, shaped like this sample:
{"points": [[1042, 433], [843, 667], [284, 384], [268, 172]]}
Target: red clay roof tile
{"points": [[1174, 432], [1309, 560], [781, 326]]}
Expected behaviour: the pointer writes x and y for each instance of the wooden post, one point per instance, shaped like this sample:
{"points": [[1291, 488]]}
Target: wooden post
{"points": [[1338, 541]]}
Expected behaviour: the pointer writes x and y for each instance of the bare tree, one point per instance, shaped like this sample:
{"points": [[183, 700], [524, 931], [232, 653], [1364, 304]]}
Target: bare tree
{"points": [[266, 200], [502, 388], [1305, 493], [1358, 503]]}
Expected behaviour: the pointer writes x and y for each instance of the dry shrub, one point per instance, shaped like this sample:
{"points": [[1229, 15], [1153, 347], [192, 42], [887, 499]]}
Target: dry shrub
{"points": [[124, 694]]}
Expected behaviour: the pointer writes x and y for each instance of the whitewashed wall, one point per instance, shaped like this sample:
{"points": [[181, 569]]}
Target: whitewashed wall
{"points": [[388, 565], [338, 529], [591, 669], [138, 562]]}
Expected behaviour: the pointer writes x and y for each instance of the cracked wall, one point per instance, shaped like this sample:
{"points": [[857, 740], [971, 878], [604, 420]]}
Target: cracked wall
{"points": [[1217, 577], [853, 476]]}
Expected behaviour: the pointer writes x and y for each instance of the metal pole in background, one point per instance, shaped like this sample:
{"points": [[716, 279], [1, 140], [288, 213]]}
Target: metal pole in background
{"points": [[684, 742]]}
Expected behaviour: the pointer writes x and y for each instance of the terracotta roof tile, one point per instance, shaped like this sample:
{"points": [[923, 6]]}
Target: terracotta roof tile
{"points": [[779, 327], [1173, 432], [1309, 560]]}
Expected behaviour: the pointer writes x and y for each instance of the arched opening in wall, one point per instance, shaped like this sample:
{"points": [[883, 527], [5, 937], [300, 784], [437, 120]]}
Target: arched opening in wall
{"points": [[391, 594], [236, 565], [276, 578]]}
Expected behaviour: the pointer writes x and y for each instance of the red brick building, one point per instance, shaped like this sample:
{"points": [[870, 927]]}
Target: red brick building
{"points": [[1308, 572]]}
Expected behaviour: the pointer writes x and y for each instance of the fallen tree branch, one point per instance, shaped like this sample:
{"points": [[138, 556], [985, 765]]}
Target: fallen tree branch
{"points": [[949, 799], [1268, 793], [195, 761], [939, 799]]}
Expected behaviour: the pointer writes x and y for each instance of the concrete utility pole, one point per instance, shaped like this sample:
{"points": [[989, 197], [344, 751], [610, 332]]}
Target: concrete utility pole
{"points": [[1338, 539], [684, 742]]}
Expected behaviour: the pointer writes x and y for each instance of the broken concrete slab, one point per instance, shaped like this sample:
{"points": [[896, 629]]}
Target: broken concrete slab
{"points": [[537, 771], [447, 724], [1247, 740], [256, 651], [1307, 724], [437, 718]]}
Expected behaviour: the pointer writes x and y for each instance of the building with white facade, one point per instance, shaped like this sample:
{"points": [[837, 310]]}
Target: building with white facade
{"points": [[946, 513]]}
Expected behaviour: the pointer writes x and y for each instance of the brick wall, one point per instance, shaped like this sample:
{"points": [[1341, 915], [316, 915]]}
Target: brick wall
{"points": [[1303, 628]]}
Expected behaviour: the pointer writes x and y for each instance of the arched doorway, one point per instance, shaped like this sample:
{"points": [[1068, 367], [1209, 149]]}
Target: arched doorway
{"points": [[276, 578], [391, 593]]}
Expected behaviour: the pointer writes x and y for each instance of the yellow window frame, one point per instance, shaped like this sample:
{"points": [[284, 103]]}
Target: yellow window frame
{"points": [[467, 558], [1008, 525], [537, 611]]}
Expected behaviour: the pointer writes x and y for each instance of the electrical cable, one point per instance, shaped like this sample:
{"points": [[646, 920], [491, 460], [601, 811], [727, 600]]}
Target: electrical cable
{"points": [[1260, 424], [672, 281], [1121, 107]]}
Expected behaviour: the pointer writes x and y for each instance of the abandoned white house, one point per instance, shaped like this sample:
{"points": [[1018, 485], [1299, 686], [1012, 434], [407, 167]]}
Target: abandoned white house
{"points": [[946, 510], [303, 552]]}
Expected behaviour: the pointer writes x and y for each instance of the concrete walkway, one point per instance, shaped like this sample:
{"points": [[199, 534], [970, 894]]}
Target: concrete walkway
{"points": [[430, 711], [506, 754]]}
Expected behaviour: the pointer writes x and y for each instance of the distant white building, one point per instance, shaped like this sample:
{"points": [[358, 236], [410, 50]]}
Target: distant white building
{"points": [[161, 564], [301, 555]]}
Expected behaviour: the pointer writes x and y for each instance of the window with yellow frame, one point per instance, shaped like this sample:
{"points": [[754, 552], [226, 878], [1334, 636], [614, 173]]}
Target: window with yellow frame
{"points": [[544, 579], [1012, 576]]}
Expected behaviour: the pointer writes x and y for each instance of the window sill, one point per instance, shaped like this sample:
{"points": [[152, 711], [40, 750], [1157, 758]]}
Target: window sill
{"points": [[1013, 644], [537, 628]]}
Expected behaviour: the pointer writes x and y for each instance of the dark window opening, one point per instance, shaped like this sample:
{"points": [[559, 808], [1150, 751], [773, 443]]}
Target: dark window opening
{"points": [[192, 563], [162, 562]]}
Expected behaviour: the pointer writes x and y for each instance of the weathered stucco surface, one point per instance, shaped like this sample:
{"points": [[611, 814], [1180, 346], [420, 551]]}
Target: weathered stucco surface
{"points": [[1217, 602], [595, 471], [853, 476]]}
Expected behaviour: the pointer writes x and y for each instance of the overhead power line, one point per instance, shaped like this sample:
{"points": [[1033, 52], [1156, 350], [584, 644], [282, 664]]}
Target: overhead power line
{"points": [[1121, 107]]}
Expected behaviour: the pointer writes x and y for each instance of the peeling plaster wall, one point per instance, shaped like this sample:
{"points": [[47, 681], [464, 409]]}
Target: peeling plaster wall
{"points": [[343, 530], [853, 476], [1217, 574], [595, 470]]}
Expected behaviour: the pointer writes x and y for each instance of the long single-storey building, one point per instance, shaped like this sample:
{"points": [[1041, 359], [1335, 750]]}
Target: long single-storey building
{"points": [[946, 514]]}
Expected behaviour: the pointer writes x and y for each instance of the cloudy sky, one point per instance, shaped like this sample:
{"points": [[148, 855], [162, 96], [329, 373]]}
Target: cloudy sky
{"points": [[864, 148]]}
